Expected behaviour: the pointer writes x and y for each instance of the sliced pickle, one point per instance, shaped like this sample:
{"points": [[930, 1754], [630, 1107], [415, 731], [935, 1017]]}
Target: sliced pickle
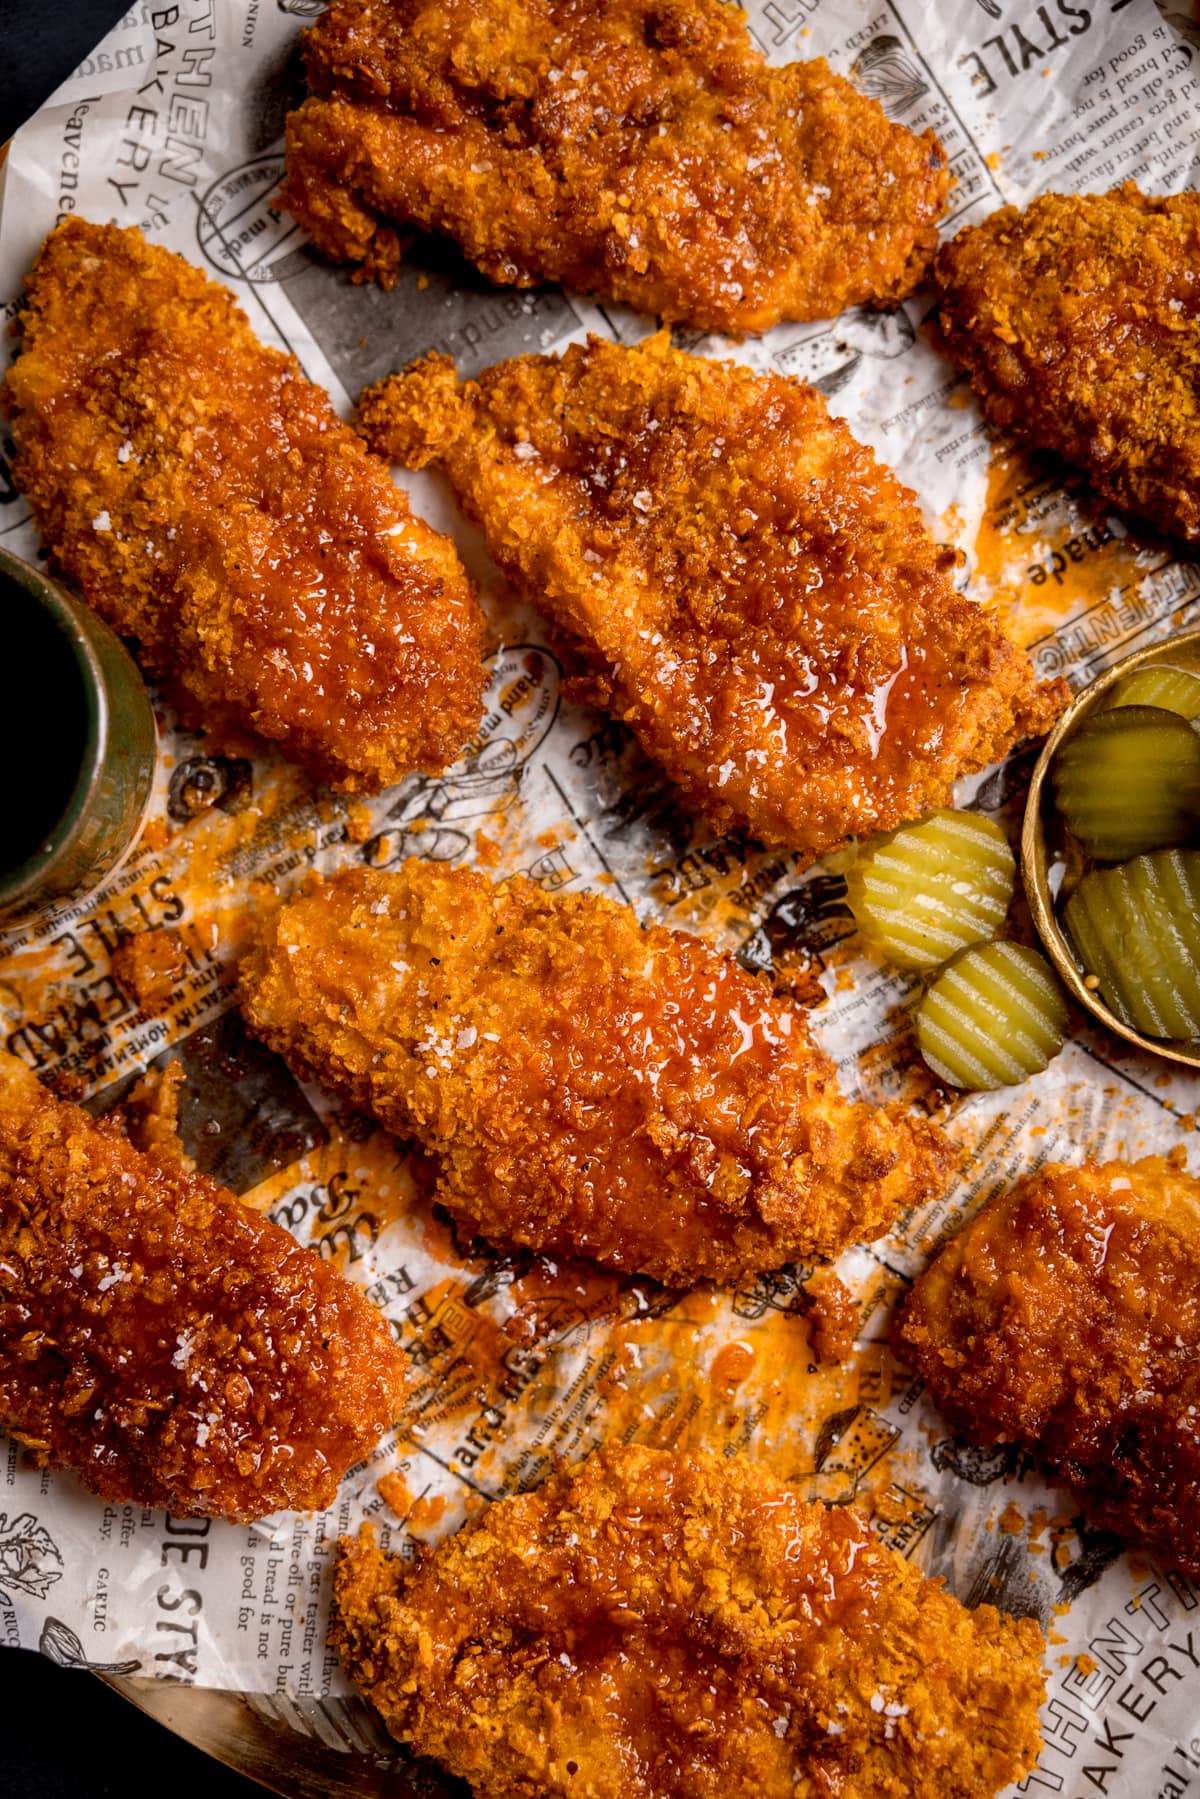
{"points": [[1173, 689], [1136, 930], [993, 1018], [922, 893], [1128, 781]]}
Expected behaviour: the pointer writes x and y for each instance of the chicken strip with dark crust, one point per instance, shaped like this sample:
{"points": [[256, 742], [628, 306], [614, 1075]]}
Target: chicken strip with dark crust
{"points": [[759, 596], [1066, 1318], [641, 150], [211, 504], [589, 1087], [1078, 321], [657, 1625], [166, 1343]]}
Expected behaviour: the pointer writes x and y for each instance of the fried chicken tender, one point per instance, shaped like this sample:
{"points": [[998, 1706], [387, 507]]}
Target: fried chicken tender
{"points": [[760, 597], [211, 504], [1078, 321], [1066, 1318], [168, 1344], [590, 1087], [641, 150], [656, 1625]]}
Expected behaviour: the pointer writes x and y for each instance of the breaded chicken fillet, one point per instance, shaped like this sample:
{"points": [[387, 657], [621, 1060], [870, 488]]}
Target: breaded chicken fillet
{"points": [[657, 1625], [589, 1087], [641, 150], [1066, 1318], [759, 596], [211, 504], [1078, 321], [166, 1343]]}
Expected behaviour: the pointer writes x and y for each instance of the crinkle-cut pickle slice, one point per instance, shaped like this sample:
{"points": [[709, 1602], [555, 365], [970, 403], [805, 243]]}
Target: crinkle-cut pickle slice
{"points": [[923, 892], [1128, 781], [1136, 929], [1172, 689], [993, 1018]]}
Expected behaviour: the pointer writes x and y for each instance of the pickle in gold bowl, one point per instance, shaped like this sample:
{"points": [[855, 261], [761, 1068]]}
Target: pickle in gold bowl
{"points": [[1128, 781], [1172, 689], [1136, 931]]}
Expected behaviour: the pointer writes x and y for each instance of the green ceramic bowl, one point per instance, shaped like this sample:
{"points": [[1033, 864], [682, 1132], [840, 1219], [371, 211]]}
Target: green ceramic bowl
{"points": [[1042, 833], [81, 744]]}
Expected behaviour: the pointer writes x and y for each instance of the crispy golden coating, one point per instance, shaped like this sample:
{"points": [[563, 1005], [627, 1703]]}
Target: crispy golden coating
{"points": [[654, 1625], [760, 597], [640, 149], [210, 503], [590, 1087], [1078, 321], [1066, 1318], [149, 966], [166, 1343]]}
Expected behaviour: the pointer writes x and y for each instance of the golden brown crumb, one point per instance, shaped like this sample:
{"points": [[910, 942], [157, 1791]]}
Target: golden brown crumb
{"points": [[890, 1505], [833, 1316], [149, 966], [642, 150], [759, 596], [394, 1491], [590, 1087], [1012, 1520], [664, 1626], [169, 1345], [151, 1114], [1066, 1318], [360, 822], [211, 504], [1078, 321]]}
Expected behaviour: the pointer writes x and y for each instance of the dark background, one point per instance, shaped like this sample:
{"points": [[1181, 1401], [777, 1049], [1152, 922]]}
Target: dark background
{"points": [[41, 41], [64, 1735]]}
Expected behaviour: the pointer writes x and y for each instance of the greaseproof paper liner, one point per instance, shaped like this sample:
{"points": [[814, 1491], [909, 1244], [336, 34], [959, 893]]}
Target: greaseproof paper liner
{"points": [[174, 124]]}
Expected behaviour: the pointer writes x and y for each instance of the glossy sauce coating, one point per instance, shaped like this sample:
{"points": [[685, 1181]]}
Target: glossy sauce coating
{"points": [[654, 1625], [211, 504], [1066, 1318], [1078, 321], [759, 596], [589, 1087], [167, 1344], [641, 149]]}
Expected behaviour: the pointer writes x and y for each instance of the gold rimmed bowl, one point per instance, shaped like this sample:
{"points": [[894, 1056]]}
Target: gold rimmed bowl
{"points": [[1047, 859], [81, 740]]}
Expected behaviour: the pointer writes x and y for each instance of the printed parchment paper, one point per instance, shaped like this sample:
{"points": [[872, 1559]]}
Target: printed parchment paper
{"points": [[174, 124]]}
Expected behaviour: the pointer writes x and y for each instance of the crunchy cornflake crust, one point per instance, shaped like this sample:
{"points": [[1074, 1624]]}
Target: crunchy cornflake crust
{"points": [[167, 1344], [589, 1087], [641, 149], [211, 504], [669, 1626]]}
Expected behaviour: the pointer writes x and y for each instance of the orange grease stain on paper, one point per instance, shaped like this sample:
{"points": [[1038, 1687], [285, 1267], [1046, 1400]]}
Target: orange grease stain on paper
{"points": [[1039, 556], [344, 1193], [427, 1512], [583, 1357], [61, 1007], [730, 1366]]}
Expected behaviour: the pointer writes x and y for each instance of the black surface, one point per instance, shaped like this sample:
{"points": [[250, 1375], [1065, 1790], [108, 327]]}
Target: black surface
{"points": [[65, 1735], [41, 41]]}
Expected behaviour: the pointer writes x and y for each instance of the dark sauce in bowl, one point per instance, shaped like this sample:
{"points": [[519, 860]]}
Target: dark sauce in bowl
{"points": [[44, 725]]}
